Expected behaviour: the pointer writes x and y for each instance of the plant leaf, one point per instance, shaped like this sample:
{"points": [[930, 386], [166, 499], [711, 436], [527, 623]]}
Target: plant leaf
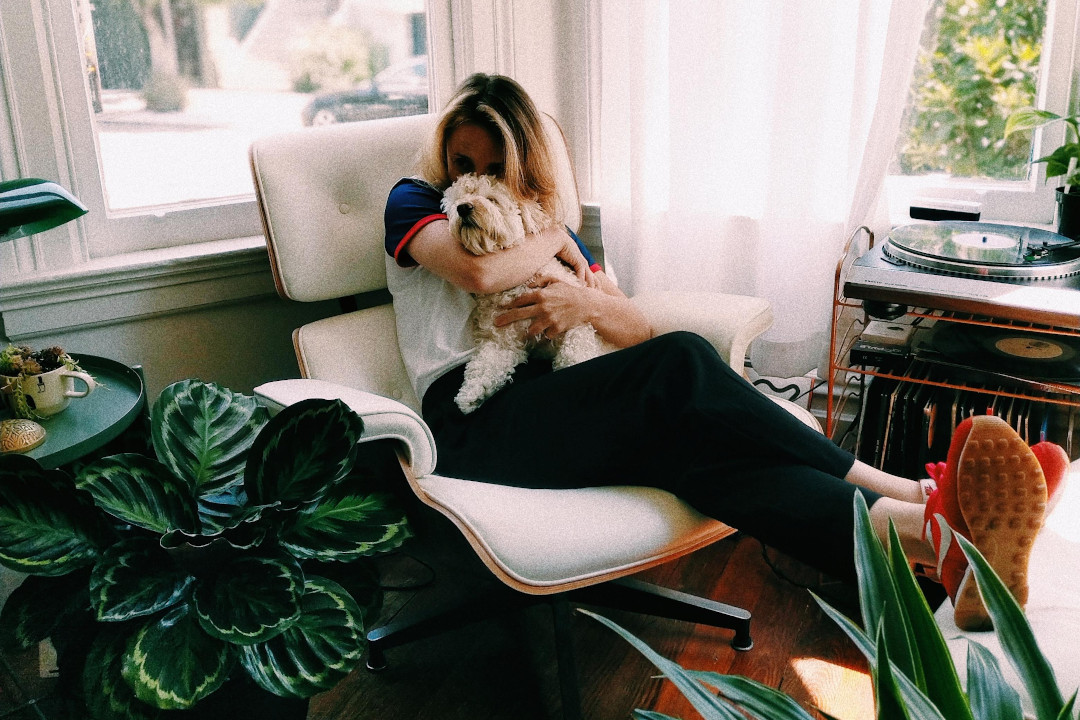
{"points": [[321, 647], [41, 604], [888, 698], [251, 599], [171, 663], [46, 528], [1028, 119], [709, 705], [1057, 162], [135, 578], [990, 694], [917, 701], [879, 599], [759, 699], [1014, 632], [344, 527], [938, 672], [650, 715], [305, 449], [202, 433], [103, 688], [140, 491]]}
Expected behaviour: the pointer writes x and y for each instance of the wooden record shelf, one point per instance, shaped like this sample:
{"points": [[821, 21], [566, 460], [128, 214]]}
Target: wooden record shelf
{"points": [[849, 318]]}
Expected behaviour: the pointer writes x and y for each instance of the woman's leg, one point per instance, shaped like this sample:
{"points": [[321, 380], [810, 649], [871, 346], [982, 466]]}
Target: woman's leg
{"points": [[671, 414]]}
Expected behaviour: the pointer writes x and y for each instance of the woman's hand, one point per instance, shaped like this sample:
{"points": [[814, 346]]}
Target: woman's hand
{"points": [[555, 306], [570, 254]]}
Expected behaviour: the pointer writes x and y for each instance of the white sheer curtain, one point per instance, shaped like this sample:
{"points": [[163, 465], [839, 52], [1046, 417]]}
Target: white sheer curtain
{"points": [[741, 142]]}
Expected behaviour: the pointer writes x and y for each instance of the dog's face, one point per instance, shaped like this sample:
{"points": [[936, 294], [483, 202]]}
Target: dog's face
{"points": [[483, 214]]}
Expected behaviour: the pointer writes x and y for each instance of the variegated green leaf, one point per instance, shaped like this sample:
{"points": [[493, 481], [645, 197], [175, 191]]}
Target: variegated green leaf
{"points": [[990, 693], [888, 699], [756, 698], [251, 599], [1028, 119], [304, 450], [202, 432], [938, 676], [321, 647], [45, 526], [344, 527], [650, 715], [171, 663], [917, 701], [223, 508], [1014, 632], [696, 693], [41, 604], [879, 599], [140, 491], [106, 694], [135, 578]]}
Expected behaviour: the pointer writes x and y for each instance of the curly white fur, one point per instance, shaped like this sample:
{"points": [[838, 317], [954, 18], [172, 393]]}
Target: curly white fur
{"points": [[485, 217]]}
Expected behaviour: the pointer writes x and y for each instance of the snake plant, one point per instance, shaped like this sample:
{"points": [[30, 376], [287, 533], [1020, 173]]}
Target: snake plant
{"points": [[205, 561], [912, 671]]}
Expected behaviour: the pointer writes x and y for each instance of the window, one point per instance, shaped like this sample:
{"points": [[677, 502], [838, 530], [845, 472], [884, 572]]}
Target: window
{"points": [[149, 106], [981, 60]]}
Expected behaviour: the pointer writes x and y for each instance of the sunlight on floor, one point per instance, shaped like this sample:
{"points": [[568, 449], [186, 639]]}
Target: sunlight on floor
{"points": [[840, 691]]}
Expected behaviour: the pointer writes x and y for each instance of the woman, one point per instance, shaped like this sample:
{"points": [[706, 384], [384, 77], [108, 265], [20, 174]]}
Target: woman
{"points": [[664, 411]]}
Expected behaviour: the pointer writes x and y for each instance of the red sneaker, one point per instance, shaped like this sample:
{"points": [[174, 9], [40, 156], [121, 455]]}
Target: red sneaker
{"points": [[992, 492]]}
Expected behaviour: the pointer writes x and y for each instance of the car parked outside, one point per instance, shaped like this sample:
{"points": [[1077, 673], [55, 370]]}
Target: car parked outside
{"points": [[400, 89]]}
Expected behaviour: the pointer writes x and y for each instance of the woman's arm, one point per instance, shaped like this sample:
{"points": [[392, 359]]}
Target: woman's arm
{"points": [[434, 248], [556, 306]]}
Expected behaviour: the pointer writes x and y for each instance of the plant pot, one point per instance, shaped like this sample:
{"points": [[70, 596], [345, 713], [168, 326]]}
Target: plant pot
{"points": [[1068, 213]]}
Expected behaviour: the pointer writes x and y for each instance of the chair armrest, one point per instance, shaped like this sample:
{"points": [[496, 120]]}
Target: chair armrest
{"points": [[383, 418], [729, 322]]}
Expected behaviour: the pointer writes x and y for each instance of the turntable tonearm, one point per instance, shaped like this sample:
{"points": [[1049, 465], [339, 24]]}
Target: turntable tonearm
{"points": [[1003, 271]]}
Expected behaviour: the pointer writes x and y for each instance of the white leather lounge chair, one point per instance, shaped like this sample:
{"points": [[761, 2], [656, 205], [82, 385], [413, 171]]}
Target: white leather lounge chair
{"points": [[322, 193]]}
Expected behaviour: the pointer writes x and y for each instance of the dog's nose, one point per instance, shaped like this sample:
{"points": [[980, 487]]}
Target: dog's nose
{"points": [[464, 210]]}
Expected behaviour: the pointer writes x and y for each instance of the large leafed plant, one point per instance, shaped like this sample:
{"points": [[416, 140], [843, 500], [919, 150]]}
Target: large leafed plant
{"points": [[912, 670], [174, 572]]}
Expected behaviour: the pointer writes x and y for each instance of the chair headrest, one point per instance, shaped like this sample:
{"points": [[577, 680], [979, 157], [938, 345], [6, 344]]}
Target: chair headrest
{"points": [[322, 193]]}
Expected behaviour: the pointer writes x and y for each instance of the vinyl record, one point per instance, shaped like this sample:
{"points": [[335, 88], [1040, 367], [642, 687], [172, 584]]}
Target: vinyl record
{"points": [[1021, 353]]}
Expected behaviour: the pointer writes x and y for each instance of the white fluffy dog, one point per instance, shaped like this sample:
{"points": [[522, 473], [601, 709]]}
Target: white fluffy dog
{"points": [[485, 217]]}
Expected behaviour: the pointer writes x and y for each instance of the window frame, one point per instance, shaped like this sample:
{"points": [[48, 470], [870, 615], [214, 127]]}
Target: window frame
{"points": [[1028, 201], [43, 95]]}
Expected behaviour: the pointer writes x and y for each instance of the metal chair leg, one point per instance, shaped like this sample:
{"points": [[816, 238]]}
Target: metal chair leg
{"points": [[564, 653]]}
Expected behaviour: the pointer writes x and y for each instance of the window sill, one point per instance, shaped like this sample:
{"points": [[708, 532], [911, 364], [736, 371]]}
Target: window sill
{"points": [[140, 285]]}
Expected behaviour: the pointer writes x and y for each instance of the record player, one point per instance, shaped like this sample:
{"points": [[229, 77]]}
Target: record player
{"points": [[1008, 272]]}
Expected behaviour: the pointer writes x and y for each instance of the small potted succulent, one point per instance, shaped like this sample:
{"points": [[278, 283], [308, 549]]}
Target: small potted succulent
{"points": [[1062, 162], [20, 364], [232, 559]]}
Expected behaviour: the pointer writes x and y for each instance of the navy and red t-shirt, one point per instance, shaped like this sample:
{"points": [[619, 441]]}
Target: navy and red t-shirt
{"points": [[414, 203]]}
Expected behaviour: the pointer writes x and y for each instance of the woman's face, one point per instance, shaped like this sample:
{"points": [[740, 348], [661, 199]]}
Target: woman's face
{"points": [[473, 149]]}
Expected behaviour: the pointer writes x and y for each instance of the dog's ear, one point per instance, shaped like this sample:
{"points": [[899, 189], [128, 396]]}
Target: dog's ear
{"points": [[533, 217]]}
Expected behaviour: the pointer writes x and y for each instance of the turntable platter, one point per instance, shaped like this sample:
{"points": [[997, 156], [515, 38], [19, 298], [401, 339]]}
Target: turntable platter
{"points": [[984, 250]]}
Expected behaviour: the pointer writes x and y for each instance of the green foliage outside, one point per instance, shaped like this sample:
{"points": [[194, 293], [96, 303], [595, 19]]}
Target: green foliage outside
{"points": [[978, 64], [334, 58]]}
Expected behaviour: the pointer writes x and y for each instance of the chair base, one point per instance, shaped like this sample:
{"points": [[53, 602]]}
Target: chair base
{"points": [[469, 604]]}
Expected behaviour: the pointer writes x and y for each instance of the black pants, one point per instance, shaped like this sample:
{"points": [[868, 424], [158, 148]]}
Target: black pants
{"points": [[668, 413]]}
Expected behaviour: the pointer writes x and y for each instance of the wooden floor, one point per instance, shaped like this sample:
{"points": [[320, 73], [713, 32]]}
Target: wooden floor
{"points": [[505, 667]]}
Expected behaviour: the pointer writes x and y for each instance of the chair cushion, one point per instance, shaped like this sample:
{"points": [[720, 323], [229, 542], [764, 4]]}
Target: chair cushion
{"points": [[1053, 607], [548, 539]]}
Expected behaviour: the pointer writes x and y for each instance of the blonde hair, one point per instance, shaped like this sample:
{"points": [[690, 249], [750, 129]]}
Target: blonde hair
{"points": [[502, 107]]}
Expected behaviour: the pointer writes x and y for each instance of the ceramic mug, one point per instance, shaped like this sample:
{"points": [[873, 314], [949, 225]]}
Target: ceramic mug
{"points": [[50, 392]]}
